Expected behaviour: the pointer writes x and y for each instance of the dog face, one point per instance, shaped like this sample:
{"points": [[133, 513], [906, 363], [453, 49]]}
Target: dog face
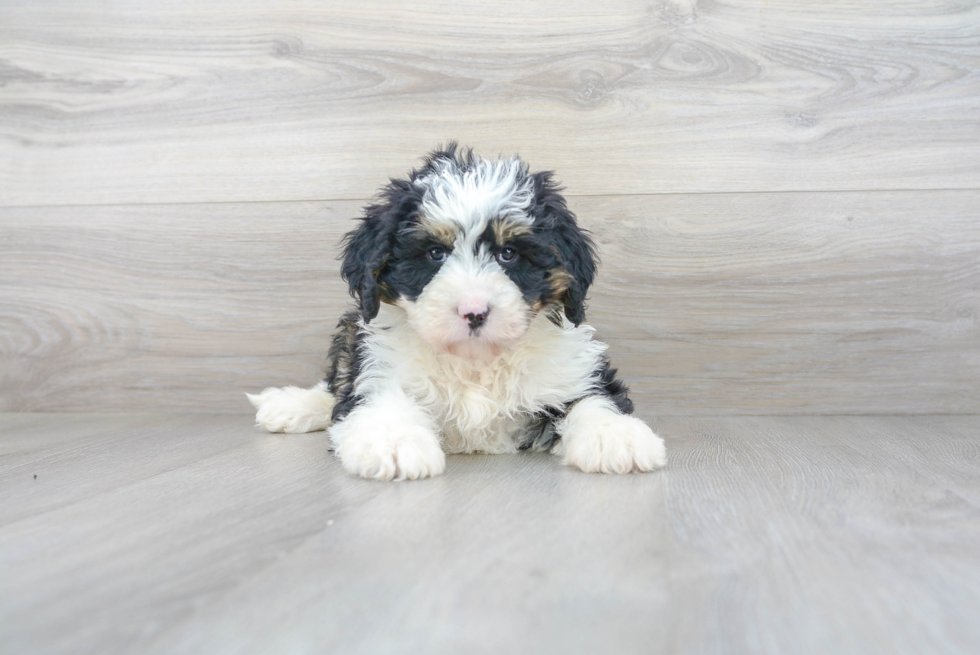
{"points": [[471, 250]]}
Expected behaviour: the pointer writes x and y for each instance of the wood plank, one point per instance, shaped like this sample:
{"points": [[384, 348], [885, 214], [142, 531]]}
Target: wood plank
{"points": [[165, 306], [800, 303], [778, 535], [237, 101], [824, 534], [719, 303], [183, 542], [68, 455]]}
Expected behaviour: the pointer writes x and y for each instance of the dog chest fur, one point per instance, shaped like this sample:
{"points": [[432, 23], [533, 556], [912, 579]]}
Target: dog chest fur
{"points": [[480, 405]]}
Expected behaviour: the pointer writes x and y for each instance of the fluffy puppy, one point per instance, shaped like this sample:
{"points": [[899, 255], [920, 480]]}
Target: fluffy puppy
{"points": [[469, 335]]}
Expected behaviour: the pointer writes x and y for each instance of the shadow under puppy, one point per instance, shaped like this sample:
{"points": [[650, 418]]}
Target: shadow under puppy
{"points": [[471, 277]]}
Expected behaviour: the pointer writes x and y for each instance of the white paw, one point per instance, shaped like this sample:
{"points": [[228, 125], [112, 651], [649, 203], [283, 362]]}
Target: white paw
{"points": [[381, 447], [293, 410], [598, 440]]}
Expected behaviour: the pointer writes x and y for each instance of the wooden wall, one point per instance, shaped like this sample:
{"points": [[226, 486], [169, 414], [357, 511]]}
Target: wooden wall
{"points": [[786, 194]]}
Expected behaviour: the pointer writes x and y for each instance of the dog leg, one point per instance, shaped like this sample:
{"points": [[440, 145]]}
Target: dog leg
{"points": [[389, 437], [596, 438], [293, 410]]}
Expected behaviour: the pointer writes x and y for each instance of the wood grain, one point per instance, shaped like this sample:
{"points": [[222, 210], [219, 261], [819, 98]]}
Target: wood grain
{"points": [[772, 535], [844, 524], [240, 101], [125, 308], [716, 303], [800, 303]]}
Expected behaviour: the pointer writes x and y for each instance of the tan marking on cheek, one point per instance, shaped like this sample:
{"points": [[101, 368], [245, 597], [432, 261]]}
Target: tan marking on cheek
{"points": [[387, 294], [505, 231], [442, 232], [560, 280]]}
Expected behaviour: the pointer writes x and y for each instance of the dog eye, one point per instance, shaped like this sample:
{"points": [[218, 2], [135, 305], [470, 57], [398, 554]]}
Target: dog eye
{"points": [[437, 253], [506, 255]]}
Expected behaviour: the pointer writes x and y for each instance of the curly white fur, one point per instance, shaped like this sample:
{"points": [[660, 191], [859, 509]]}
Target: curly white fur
{"points": [[293, 410], [481, 405], [389, 437], [598, 439]]}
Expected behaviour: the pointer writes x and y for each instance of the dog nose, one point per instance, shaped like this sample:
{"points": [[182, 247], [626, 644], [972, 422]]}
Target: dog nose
{"points": [[476, 320], [475, 316]]}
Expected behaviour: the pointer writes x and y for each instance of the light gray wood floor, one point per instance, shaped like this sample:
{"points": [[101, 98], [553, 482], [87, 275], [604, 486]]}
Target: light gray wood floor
{"points": [[165, 534]]}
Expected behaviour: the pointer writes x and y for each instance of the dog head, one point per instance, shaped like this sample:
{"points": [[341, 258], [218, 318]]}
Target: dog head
{"points": [[472, 250]]}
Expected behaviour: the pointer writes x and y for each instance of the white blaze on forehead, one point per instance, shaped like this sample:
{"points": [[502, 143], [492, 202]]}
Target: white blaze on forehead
{"points": [[469, 198]]}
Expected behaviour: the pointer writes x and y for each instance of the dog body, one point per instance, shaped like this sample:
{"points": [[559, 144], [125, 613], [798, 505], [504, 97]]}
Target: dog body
{"points": [[471, 278]]}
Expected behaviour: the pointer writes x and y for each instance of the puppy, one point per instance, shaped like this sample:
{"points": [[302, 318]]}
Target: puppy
{"points": [[470, 278]]}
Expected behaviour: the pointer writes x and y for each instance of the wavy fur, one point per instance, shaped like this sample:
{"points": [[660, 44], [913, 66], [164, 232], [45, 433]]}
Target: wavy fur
{"points": [[471, 278]]}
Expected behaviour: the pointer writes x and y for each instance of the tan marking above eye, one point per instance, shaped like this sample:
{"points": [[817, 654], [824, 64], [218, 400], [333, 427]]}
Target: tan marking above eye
{"points": [[505, 231], [444, 233]]}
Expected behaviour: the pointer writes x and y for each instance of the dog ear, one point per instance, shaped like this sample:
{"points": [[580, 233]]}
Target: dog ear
{"points": [[572, 244], [368, 248]]}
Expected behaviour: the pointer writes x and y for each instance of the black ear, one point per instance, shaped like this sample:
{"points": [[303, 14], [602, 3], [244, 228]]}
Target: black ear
{"points": [[572, 244], [368, 248]]}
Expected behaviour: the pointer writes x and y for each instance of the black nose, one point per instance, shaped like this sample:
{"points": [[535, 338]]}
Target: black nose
{"points": [[476, 320]]}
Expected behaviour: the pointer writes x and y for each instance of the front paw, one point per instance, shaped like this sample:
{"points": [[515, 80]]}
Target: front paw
{"points": [[607, 442], [378, 448], [293, 410]]}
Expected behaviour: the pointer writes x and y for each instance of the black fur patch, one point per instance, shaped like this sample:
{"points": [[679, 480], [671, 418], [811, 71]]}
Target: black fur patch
{"points": [[409, 268], [540, 435], [531, 270], [368, 249], [572, 246], [345, 364], [614, 388]]}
